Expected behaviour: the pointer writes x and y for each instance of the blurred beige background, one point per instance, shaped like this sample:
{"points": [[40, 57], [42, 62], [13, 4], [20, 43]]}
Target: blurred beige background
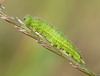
{"points": [[78, 20]]}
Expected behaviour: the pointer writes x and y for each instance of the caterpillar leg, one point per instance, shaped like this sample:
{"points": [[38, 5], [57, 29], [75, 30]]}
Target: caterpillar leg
{"points": [[51, 49]]}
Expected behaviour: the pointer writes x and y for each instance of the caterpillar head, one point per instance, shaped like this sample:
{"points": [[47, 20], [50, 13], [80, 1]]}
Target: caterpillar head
{"points": [[27, 20]]}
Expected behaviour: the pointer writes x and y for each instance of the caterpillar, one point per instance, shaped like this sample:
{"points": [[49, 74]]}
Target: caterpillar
{"points": [[55, 38]]}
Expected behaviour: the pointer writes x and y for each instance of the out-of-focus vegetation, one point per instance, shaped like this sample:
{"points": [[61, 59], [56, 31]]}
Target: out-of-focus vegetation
{"points": [[79, 20]]}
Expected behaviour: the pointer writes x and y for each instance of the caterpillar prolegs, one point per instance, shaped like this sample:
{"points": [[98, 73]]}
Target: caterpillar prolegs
{"points": [[55, 38]]}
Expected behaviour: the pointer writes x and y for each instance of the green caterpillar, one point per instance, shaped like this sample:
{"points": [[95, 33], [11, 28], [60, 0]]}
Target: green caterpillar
{"points": [[54, 37]]}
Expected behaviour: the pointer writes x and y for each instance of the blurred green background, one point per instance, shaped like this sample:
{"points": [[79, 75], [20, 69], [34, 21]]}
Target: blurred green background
{"points": [[78, 20]]}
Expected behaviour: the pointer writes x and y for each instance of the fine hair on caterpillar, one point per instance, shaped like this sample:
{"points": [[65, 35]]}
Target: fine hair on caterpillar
{"points": [[56, 39]]}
